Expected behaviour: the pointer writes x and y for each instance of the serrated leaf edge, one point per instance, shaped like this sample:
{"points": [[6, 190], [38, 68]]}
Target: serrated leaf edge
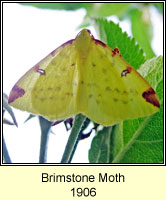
{"points": [[119, 156]]}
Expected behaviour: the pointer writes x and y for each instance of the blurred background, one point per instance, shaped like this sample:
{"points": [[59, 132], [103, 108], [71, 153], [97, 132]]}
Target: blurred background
{"points": [[31, 33]]}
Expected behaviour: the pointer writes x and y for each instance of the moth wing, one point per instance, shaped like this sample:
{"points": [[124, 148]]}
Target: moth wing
{"points": [[49, 88], [113, 90]]}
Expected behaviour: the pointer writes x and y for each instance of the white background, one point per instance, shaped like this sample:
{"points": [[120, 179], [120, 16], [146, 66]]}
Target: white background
{"points": [[29, 34]]}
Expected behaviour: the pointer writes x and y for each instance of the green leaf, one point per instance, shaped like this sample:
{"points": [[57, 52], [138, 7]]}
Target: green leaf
{"points": [[8, 122], [159, 7], [84, 126], [116, 140], [94, 9], [134, 141], [30, 117], [100, 146], [108, 9], [103, 10], [8, 108], [85, 22], [112, 34], [101, 150], [60, 6], [143, 140], [142, 30], [152, 70]]}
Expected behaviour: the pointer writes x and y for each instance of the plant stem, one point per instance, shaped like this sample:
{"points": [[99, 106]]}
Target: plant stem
{"points": [[78, 122], [74, 148], [45, 126], [6, 153]]}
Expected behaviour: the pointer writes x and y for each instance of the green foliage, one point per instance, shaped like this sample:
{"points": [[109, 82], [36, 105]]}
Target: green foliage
{"points": [[93, 9], [107, 9], [152, 70], [143, 140], [100, 147], [112, 34], [134, 141], [6, 156], [137, 13], [8, 108], [159, 6], [30, 117], [142, 30], [106, 144], [60, 6]]}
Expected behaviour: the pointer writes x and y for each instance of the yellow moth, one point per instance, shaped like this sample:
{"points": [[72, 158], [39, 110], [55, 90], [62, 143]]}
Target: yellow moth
{"points": [[85, 76]]}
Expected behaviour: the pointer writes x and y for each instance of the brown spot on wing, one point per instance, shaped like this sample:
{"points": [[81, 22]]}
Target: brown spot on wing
{"points": [[150, 96], [124, 102], [115, 52], [93, 64], [41, 71], [125, 92], [58, 88], [126, 71], [117, 90], [16, 93], [108, 88], [115, 99], [37, 69]]}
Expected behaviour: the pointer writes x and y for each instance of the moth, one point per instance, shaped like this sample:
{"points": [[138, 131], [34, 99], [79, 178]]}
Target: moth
{"points": [[85, 76]]}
